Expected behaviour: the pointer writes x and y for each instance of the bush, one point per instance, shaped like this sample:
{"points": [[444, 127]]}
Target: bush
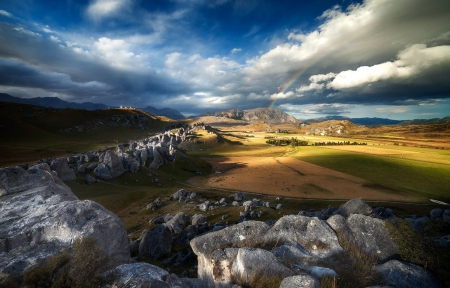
{"points": [[81, 268]]}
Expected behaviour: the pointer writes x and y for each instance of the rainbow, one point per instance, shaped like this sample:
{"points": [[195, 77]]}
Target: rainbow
{"points": [[317, 59]]}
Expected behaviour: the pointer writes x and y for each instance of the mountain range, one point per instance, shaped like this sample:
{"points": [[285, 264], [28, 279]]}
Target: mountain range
{"points": [[55, 102]]}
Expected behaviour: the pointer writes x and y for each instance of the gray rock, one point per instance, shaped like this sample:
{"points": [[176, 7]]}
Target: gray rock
{"points": [[279, 206], [418, 224], [239, 196], [158, 157], [354, 206], [193, 195], [178, 194], [300, 281], [90, 179], [444, 241], [254, 262], [168, 217], [81, 169], [114, 164], [236, 204], [15, 180], [156, 220], [238, 235], [157, 242], [266, 204], [103, 172], [198, 219], [178, 222], [43, 220], [320, 272], [370, 235], [337, 222], [292, 252], [204, 206], [446, 216], [183, 199], [143, 156], [91, 167], [88, 157], [402, 274], [313, 234], [63, 170], [436, 214], [140, 275]]}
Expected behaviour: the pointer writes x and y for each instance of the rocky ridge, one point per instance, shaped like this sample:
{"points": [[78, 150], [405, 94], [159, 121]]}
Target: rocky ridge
{"points": [[272, 115]]}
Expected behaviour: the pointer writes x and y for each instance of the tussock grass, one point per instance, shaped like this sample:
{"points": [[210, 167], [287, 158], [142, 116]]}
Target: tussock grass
{"points": [[421, 248]]}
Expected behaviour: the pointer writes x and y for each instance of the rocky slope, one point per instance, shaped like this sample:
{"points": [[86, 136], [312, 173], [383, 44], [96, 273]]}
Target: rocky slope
{"points": [[273, 115]]}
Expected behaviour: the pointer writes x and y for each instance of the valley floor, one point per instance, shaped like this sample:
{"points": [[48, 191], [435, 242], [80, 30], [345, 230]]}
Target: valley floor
{"points": [[289, 177]]}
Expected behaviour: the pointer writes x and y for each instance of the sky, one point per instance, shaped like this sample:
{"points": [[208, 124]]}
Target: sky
{"points": [[372, 58]]}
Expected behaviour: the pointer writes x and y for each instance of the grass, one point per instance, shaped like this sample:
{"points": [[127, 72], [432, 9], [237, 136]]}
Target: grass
{"points": [[425, 179], [418, 247], [30, 133], [354, 267]]}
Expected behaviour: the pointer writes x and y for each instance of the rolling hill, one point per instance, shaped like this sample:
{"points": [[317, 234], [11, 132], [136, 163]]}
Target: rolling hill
{"points": [[30, 133]]}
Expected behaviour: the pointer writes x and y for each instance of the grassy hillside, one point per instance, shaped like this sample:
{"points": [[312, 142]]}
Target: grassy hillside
{"points": [[29, 133]]}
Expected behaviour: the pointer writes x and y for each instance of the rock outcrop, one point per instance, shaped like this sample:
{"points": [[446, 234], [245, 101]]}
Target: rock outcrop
{"points": [[61, 166], [40, 217], [300, 250]]}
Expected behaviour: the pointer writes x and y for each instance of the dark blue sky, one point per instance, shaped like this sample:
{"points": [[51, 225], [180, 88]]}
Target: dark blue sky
{"points": [[381, 58]]}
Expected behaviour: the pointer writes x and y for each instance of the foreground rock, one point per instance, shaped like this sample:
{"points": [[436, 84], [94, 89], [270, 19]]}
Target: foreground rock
{"points": [[40, 217], [402, 274], [227, 255], [147, 275], [299, 250]]}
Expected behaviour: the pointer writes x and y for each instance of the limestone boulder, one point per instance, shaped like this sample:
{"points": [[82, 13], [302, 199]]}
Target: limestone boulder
{"points": [[354, 206], [61, 166], [178, 222], [446, 216], [300, 281], [157, 242], [371, 236], [292, 252], [436, 214], [140, 275], [158, 157], [90, 179], [402, 274], [114, 164], [337, 222], [239, 235], [38, 178], [313, 234], [103, 172], [42, 221], [198, 219], [251, 263]]}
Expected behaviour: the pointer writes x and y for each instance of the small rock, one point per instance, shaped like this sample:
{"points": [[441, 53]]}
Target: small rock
{"points": [[436, 214]]}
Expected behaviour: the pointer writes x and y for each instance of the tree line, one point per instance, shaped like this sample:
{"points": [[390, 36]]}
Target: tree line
{"points": [[285, 142]]}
